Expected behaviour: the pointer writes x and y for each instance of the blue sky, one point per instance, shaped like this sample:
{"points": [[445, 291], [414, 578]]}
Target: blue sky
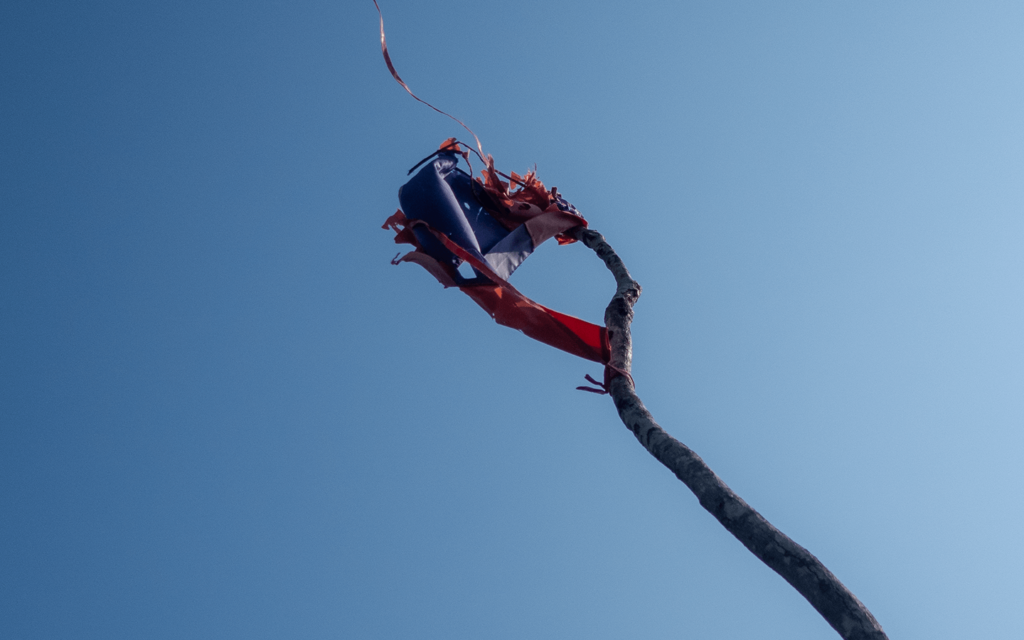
{"points": [[224, 414]]}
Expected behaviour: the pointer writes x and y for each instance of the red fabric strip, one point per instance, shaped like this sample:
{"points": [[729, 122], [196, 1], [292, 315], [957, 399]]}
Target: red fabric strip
{"points": [[512, 309], [504, 303], [391, 68]]}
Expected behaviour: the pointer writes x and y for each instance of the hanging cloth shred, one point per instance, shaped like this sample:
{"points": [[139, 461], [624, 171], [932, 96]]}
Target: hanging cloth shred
{"points": [[394, 74]]}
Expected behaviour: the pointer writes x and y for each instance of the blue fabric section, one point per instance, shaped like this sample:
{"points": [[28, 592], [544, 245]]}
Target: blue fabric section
{"points": [[442, 196], [487, 230], [428, 197]]}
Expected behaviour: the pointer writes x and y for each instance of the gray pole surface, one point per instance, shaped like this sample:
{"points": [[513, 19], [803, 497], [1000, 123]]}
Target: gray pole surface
{"points": [[840, 608]]}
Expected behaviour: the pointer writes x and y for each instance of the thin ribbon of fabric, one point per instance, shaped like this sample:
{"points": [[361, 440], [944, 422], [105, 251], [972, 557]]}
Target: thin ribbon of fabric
{"points": [[391, 68]]}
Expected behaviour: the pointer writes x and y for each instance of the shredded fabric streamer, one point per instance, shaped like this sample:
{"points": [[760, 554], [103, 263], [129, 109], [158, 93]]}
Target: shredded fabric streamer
{"points": [[394, 74]]}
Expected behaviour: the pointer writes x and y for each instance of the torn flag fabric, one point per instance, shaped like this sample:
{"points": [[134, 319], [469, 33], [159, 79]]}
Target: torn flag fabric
{"points": [[451, 218]]}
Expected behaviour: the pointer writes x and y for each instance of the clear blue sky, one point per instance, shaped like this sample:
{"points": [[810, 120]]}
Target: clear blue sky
{"points": [[224, 414]]}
